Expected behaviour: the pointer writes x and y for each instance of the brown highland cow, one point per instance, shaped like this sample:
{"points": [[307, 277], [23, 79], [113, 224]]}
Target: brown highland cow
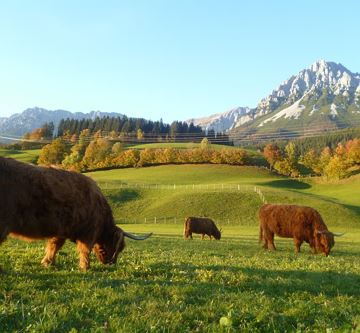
{"points": [[303, 224], [201, 225], [47, 203]]}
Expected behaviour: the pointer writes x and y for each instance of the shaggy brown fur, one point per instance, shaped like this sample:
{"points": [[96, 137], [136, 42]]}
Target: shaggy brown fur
{"points": [[201, 225], [303, 224], [53, 204]]}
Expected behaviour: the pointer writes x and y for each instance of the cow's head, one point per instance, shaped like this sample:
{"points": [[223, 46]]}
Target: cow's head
{"points": [[325, 240], [217, 233], [110, 246]]}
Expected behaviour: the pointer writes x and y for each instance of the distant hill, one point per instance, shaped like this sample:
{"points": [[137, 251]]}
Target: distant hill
{"points": [[222, 122], [31, 118]]}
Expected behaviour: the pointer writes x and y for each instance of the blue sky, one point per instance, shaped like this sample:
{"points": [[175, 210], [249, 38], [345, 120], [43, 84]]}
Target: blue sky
{"points": [[164, 59]]}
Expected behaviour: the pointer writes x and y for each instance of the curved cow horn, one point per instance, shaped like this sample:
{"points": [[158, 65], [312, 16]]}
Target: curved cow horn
{"points": [[338, 234], [322, 231], [135, 237]]}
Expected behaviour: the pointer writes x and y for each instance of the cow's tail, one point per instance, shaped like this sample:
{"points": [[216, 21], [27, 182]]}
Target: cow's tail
{"points": [[136, 237]]}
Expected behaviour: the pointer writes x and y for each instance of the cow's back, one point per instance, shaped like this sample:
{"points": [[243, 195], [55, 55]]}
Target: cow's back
{"points": [[45, 202], [199, 224], [287, 220]]}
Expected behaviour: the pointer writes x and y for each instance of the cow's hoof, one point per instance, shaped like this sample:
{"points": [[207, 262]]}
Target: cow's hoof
{"points": [[84, 268], [46, 262]]}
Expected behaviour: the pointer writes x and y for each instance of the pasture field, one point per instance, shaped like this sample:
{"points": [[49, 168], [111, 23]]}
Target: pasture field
{"points": [[29, 156], [168, 284], [202, 194]]}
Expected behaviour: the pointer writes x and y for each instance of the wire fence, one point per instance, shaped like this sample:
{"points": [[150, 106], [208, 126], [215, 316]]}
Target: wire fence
{"points": [[179, 220], [182, 187]]}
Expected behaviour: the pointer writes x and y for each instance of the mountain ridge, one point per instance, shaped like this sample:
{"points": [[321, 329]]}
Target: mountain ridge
{"points": [[327, 87], [20, 123]]}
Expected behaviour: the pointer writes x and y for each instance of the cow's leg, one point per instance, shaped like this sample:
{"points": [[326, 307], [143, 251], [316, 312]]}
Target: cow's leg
{"points": [[53, 246], [268, 240], [210, 237], [190, 234], [202, 236], [271, 245], [297, 243], [312, 247], [84, 250]]}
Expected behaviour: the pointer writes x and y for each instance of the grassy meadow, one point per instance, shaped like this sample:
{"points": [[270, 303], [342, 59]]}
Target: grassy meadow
{"points": [[28, 156], [168, 284]]}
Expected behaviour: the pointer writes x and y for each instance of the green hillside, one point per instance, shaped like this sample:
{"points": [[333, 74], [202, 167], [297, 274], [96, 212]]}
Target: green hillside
{"points": [[226, 193], [29, 156]]}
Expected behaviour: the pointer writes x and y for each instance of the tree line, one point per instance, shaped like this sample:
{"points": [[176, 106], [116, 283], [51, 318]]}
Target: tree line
{"points": [[129, 129], [333, 163], [103, 153]]}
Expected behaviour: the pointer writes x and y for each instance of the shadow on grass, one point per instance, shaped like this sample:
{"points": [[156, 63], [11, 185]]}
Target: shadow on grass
{"points": [[296, 186], [125, 195], [287, 184]]}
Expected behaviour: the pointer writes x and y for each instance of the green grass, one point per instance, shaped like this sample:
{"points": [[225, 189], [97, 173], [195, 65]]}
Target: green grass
{"points": [[186, 174], [167, 284], [29, 156], [133, 203]]}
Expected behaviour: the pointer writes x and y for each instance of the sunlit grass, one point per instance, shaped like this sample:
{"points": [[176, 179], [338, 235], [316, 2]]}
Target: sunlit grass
{"points": [[28, 156], [170, 284]]}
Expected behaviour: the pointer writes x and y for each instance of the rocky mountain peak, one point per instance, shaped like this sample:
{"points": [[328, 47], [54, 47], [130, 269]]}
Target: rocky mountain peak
{"points": [[331, 83]]}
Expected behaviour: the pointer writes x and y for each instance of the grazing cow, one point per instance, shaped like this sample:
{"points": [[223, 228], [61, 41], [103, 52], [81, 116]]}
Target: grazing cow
{"points": [[303, 224], [201, 225], [53, 204]]}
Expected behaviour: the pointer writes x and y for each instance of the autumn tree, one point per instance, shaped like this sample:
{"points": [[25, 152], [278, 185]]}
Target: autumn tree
{"points": [[117, 148], [140, 134], [324, 159], [288, 164], [337, 168], [74, 159], [311, 161], [272, 154], [96, 153], [205, 143], [53, 153], [353, 150]]}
